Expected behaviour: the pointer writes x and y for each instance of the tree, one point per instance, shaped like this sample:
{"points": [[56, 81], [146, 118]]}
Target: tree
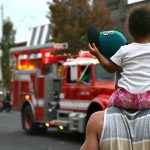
{"points": [[70, 20], [101, 15], [66, 20], [8, 37]]}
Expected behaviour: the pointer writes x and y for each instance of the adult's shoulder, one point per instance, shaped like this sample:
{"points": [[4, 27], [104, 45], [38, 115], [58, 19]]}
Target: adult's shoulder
{"points": [[97, 120], [97, 115]]}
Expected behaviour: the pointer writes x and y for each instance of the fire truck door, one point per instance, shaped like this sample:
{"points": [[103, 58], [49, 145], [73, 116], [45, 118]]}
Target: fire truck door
{"points": [[27, 85], [69, 89], [84, 86]]}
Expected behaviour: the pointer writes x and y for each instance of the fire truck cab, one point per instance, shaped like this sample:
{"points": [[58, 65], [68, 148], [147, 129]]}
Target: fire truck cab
{"points": [[57, 90], [85, 89]]}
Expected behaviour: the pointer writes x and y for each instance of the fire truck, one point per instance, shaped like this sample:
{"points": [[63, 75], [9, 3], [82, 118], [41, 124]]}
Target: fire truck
{"points": [[57, 90]]}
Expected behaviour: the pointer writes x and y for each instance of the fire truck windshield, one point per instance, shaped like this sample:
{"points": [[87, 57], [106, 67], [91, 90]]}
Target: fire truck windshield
{"points": [[102, 75]]}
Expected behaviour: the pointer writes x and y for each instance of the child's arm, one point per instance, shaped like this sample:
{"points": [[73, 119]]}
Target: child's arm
{"points": [[108, 65]]}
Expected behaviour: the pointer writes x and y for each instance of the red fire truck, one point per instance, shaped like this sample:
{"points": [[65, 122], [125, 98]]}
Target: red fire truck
{"points": [[57, 90]]}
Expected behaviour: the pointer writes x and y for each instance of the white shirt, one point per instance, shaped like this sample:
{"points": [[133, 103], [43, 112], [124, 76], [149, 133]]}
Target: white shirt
{"points": [[134, 59]]}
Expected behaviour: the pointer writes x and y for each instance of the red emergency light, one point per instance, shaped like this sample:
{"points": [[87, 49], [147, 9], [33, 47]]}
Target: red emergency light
{"points": [[27, 97], [25, 67]]}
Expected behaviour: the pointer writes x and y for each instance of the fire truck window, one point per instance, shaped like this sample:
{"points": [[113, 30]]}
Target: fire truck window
{"points": [[85, 74], [102, 75], [55, 68], [72, 74], [48, 68], [59, 69]]}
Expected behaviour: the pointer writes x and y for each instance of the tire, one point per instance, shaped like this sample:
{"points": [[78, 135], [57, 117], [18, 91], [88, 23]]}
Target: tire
{"points": [[41, 130], [29, 125], [7, 107], [28, 121]]}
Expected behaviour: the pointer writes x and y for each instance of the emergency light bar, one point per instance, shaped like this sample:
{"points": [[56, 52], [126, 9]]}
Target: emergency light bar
{"points": [[25, 67]]}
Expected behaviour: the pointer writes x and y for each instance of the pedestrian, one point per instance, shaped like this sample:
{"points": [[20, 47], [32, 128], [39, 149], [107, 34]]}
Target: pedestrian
{"points": [[7, 101], [125, 125]]}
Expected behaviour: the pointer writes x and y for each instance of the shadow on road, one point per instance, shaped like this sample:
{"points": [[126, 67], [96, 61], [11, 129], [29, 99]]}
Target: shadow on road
{"points": [[71, 137]]}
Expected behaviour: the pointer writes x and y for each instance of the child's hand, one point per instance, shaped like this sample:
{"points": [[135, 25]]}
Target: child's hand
{"points": [[93, 49]]}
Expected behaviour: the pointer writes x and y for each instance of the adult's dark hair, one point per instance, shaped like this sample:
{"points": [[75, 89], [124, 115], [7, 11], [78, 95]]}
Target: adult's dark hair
{"points": [[139, 21]]}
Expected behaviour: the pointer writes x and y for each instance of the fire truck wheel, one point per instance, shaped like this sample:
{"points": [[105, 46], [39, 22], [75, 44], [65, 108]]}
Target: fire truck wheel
{"points": [[41, 130], [28, 121]]}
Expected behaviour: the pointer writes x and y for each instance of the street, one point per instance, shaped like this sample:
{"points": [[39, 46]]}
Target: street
{"points": [[12, 137]]}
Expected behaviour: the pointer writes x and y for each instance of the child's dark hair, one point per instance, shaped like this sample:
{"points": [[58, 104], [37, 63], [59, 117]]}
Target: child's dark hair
{"points": [[139, 21]]}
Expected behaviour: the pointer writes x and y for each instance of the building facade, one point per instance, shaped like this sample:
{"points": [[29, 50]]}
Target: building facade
{"points": [[120, 9]]}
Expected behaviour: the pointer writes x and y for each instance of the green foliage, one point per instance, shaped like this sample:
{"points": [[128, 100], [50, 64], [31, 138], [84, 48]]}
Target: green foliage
{"points": [[7, 41], [101, 15], [70, 20]]}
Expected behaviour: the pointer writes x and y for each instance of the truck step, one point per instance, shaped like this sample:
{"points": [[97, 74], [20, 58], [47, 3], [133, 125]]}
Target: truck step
{"points": [[64, 123], [63, 115]]}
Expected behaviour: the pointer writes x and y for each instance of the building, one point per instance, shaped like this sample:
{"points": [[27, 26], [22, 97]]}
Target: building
{"points": [[120, 9], [0, 66]]}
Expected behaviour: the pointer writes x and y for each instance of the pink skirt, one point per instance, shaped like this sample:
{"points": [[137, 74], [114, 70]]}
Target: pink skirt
{"points": [[124, 99]]}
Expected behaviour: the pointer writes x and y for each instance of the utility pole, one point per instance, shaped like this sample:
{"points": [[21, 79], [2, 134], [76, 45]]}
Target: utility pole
{"points": [[2, 19]]}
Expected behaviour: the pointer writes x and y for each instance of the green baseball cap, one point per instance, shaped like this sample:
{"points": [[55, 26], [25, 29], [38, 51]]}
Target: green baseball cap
{"points": [[110, 42], [107, 42]]}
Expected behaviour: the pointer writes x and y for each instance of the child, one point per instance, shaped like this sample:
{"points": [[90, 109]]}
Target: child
{"points": [[134, 60]]}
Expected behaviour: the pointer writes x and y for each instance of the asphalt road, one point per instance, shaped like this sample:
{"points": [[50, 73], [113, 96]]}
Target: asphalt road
{"points": [[12, 137]]}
